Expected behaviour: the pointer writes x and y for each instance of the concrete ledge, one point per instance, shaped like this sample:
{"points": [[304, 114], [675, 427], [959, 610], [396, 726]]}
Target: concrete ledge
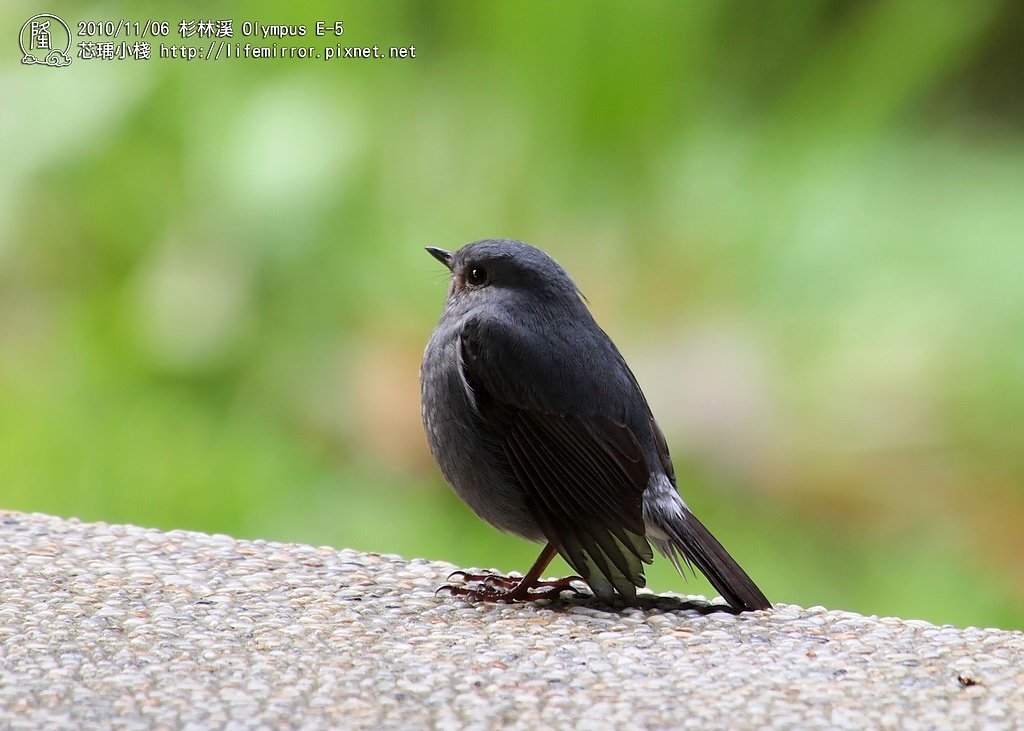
{"points": [[103, 625]]}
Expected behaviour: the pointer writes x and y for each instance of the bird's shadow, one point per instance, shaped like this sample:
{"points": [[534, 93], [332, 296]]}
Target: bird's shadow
{"points": [[572, 596], [644, 602], [570, 599]]}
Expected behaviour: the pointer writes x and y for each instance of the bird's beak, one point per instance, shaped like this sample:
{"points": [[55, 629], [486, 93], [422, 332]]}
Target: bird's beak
{"points": [[445, 257]]}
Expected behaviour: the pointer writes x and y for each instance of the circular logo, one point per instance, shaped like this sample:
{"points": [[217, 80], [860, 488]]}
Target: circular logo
{"points": [[45, 39]]}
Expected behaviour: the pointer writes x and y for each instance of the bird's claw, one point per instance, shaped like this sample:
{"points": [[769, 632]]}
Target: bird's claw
{"points": [[509, 589]]}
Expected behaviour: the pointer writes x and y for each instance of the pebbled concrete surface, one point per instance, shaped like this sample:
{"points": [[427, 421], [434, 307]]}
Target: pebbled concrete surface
{"points": [[108, 625]]}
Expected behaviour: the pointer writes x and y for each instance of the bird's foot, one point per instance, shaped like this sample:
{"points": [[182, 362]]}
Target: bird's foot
{"points": [[498, 588]]}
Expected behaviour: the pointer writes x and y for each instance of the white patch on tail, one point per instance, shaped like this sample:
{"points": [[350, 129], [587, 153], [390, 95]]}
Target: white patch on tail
{"points": [[663, 506]]}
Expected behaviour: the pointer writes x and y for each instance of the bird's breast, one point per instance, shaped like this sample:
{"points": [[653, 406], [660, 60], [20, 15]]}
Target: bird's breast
{"points": [[470, 464]]}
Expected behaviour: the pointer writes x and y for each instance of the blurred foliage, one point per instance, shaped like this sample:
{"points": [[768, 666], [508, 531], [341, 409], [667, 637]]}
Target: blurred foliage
{"points": [[802, 223]]}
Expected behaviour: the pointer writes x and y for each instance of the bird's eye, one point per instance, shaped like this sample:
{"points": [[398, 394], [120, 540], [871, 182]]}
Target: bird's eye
{"points": [[476, 277]]}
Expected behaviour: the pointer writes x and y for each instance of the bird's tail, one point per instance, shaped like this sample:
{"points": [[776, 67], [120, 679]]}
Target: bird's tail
{"points": [[678, 534]]}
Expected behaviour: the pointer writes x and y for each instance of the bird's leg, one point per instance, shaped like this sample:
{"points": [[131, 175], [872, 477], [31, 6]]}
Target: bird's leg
{"points": [[497, 588]]}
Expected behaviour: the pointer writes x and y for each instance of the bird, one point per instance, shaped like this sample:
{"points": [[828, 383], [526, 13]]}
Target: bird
{"points": [[540, 427]]}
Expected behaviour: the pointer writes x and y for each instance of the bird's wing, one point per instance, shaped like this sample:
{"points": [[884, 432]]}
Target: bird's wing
{"points": [[583, 473]]}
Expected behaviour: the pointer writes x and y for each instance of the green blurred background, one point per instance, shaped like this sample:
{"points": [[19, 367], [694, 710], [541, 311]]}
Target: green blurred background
{"points": [[802, 223]]}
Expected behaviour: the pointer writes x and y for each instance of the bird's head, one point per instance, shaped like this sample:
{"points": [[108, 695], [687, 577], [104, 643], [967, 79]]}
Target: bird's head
{"points": [[504, 270]]}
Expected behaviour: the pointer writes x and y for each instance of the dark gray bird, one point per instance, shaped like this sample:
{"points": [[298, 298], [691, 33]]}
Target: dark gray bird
{"points": [[537, 422]]}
